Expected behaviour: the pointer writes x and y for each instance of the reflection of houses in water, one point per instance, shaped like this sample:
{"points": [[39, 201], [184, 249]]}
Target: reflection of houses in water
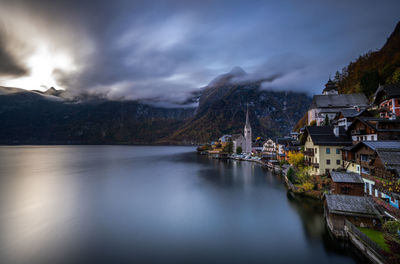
{"points": [[311, 213]]}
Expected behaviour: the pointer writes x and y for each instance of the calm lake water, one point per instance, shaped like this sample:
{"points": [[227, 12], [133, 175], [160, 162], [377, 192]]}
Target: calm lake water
{"points": [[140, 204]]}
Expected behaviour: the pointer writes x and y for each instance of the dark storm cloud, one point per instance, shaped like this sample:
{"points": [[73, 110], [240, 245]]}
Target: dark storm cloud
{"points": [[167, 49]]}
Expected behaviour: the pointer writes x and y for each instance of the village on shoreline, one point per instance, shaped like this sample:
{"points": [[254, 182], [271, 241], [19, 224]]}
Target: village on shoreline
{"points": [[348, 156]]}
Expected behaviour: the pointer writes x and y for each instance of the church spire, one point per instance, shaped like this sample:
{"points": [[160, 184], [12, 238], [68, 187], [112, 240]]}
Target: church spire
{"points": [[247, 133], [247, 117]]}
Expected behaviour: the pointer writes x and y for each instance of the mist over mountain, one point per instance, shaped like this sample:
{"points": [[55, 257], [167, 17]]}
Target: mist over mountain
{"points": [[54, 117], [223, 104]]}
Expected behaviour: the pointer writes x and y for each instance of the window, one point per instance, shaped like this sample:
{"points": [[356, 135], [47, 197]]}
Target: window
{"points": [[364, 157], [337, 162], [328, 161], [365, 170], [337, 151], [328, 151], [372, 137], [316, 150], [345, 190]]}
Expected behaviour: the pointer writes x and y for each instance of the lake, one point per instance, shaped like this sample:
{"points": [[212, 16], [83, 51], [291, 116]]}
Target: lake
{"points": [[151, 204]]}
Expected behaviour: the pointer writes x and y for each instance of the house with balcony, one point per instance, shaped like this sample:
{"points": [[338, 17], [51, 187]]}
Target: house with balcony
{"points": [[372, 129], [322, 148], [387, 97], [379, 167]]}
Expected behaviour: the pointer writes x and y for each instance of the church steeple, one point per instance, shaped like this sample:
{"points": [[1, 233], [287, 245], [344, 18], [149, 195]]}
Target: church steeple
{"points": [[247, 125], [247, 133]]}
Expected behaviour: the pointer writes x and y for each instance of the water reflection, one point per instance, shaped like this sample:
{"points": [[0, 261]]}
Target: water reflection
{"points": [[119, 204]]}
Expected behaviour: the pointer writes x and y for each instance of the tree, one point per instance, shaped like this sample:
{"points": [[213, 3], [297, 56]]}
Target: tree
{"points": [[369, 83], [326, 121], [229, 147], [395, 77], [296, 159], [239, 150], [337, 77]]}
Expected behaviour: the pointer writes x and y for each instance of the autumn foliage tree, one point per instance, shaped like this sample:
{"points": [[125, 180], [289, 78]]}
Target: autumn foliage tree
{"points": [[296, 159]]}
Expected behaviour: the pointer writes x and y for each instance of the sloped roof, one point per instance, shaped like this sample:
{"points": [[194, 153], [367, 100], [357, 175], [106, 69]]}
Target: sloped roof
{"points": [[330, 85], [390, 159], [323, 135], [349, 204], [346, 177], [284, 141], [352, 112], [391, 90], [383, 144], [339, 100]]}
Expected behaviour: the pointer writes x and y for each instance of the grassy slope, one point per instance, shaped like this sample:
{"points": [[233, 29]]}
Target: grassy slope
{"points": [[375, 236]]}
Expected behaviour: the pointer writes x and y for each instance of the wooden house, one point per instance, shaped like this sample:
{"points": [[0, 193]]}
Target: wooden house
{"points": [[371, 128], [345, 117], [347, 183]]}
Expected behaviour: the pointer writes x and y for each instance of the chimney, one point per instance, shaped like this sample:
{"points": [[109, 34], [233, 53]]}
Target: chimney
{"points": [[336, 131]]}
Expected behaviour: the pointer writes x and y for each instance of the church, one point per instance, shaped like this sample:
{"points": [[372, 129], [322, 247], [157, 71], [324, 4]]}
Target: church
{"points": [[243, 141]]}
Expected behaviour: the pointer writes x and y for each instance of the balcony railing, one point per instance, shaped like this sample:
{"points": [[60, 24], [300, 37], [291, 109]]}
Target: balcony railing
{"points": [[309, 152]]}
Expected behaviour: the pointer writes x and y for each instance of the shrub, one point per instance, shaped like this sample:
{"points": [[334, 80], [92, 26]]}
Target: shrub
{"points": [[291, 175], [391, 226], [239, 150], [308, 186], [302, 175], [283, 162]]}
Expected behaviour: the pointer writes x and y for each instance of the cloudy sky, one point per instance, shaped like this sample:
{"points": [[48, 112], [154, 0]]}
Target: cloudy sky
{"points": [[166, 49]]}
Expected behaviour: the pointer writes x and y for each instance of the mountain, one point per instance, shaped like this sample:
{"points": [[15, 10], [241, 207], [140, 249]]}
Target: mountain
{"points": [[30, 117], [52, 117], [223, 105], [373, 68]]}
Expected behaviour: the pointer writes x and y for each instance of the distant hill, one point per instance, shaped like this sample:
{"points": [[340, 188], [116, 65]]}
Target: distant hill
{"points": [[374, 68]]}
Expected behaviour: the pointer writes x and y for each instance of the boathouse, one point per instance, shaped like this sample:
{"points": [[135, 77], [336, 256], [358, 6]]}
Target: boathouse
{"points": [[359, 210]]}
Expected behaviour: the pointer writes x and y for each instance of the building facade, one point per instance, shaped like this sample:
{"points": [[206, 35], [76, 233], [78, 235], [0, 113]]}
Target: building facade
{"points": [[387, 97], [322, 148]]}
